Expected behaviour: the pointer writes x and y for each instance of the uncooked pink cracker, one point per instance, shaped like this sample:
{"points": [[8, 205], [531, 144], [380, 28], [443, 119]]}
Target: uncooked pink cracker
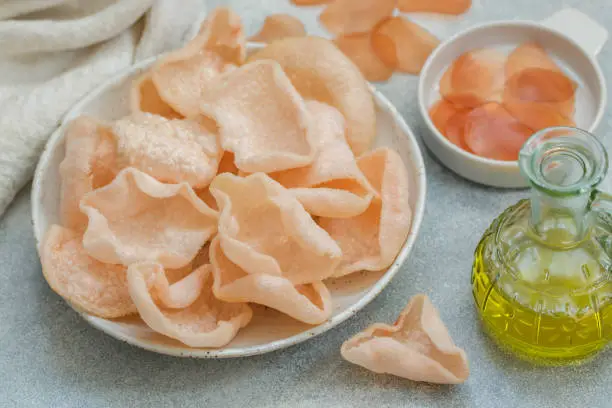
{"points": [[402, 44], [358, 47], [343, 17]]}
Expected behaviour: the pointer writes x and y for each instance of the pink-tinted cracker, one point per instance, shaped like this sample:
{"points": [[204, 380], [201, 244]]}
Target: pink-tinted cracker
{"points": [[205, 322], [475, 78], [277, 26], [309, 303], [543, 86], [358, 47], [262, 119], [372, 240], [175, 275], [206, 196], [402, 44], [321, 72], [450, 7], [227, 164], [89, 163], [203, 257], [310, 2], [172, 151], [529, 55], [183, 76], [343, 17], [266, 231], [94, 287], [333, 185], [450, 121], [417, 347], [144, 97], [541, 98], [491, 131], [137, 219], [537, 116], [178, 294]]}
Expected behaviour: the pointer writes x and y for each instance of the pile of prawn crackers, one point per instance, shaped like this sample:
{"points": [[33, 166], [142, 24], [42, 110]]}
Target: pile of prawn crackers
{"points": [[233, 181]]}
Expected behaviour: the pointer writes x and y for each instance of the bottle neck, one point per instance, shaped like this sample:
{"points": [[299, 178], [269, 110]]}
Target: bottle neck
{"points": [[560, 222], [563, 166]]}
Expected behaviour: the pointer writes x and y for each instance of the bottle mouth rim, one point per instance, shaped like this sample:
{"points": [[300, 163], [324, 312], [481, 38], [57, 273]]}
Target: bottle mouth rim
{"points": [[563, 161]]}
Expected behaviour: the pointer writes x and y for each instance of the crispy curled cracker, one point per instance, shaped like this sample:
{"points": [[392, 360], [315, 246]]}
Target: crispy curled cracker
{"points": [[261, 118], [417, 347], [310, 303], [372, 240], [137, 218], [333, 185], [97, 288], [203, 321], [182, 76], [172, 151], [321, 72], [89, 163], [265, 230], [144, 97]]}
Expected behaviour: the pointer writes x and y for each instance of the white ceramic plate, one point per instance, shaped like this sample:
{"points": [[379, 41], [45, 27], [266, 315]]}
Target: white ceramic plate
{"points": [[269, 330]]}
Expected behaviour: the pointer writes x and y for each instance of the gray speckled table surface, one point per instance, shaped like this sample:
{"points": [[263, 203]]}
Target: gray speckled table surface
{"points": [[49, 357]]}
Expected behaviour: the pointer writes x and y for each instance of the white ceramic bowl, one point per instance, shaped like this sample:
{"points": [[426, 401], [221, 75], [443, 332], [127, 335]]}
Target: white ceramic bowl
{"points": [[269, 330], [569, 36]]}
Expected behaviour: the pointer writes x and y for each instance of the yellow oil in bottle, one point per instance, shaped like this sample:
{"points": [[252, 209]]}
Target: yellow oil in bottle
{"points": [[542, 273], [548, 329]]}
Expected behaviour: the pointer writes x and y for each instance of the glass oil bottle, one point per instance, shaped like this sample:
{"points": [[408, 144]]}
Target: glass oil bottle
{"points": [[542, 273]]}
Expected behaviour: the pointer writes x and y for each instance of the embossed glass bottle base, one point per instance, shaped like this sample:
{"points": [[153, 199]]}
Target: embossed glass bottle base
{"points": [[540, 337]]}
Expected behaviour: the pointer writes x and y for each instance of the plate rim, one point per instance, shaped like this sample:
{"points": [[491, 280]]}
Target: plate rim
{"points": [[417, 218]]}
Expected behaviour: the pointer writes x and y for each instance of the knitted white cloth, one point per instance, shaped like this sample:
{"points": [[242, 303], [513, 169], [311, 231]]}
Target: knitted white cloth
{"points": [[52, 52]]}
